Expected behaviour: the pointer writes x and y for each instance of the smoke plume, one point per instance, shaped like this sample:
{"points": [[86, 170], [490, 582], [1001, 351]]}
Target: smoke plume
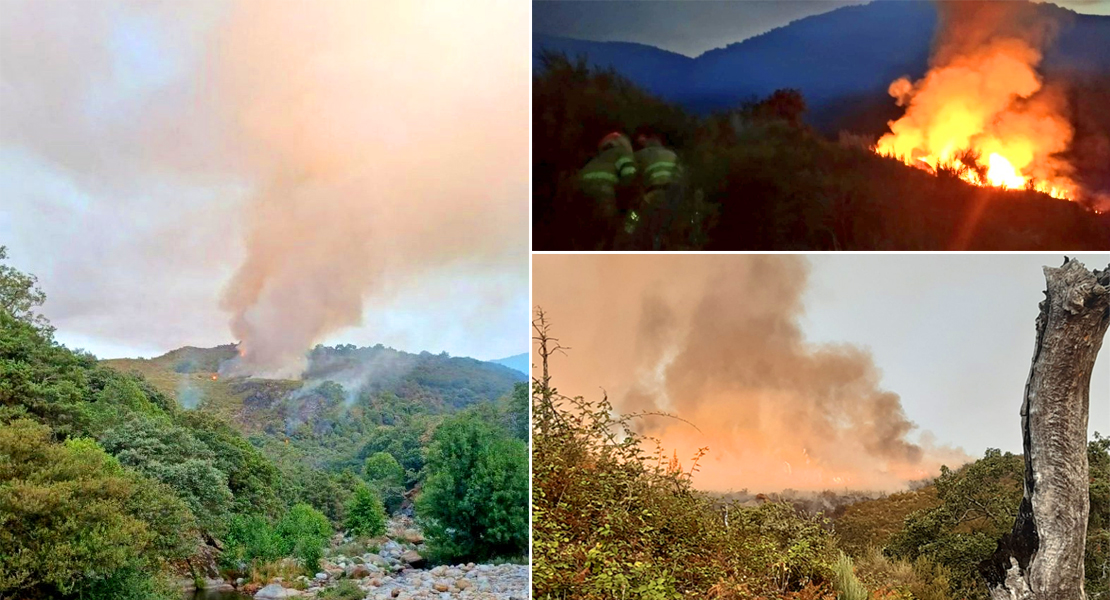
{"points": [[391, 136], [983, 94], [319, 158], [716, 340]]}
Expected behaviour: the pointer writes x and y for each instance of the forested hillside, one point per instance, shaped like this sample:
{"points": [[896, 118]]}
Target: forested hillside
{"points": [[758, 177], [111, 488]]}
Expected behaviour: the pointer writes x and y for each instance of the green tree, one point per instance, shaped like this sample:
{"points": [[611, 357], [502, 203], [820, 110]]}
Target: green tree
{"points": [[473, 504], [977, 506], [365, 513], [250, 539], [20, 295], [252, 478], [387, 477], [1097, 555], [173, 456], [514, 410], [304, 531], [71, 517]]}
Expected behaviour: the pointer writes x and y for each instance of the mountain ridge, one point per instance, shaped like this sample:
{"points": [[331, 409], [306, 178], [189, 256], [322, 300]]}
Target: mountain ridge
{"points": [[830, 57], [438, 382]]}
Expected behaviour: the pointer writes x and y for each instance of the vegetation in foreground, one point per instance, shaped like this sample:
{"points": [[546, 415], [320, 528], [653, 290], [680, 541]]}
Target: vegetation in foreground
{"points": [[758, 177], [109, 489], [611, 520]]}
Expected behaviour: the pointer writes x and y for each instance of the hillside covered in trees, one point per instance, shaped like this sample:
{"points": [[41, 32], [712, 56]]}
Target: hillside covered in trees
{"points": [[614, 518], [757, 176], [110, 487]]}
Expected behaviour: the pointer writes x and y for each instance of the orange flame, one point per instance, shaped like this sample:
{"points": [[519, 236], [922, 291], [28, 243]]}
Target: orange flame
{"points": [[215, 377], [981, 111]]}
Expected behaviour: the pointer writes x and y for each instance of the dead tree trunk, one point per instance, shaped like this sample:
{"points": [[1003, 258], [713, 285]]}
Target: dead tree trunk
{"points": [[1042, 557]]}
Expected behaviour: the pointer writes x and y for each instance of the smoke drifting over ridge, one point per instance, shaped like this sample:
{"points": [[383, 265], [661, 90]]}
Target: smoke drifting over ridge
{"points": [[716, 340], [381, 128], [322, 159], [983, 93]]}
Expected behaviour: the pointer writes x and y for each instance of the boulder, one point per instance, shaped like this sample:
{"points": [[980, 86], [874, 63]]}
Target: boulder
{"points": [[413, 559], [274, 591], [217, 585], [358, 571]]}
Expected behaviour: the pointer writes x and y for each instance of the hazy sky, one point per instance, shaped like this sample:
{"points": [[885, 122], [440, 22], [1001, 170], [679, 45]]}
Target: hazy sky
{"points": [[692, 27], [321, 161], [953, 335], [950, 335]]}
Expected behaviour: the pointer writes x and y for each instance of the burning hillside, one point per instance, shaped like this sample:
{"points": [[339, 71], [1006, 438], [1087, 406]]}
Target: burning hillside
{"points": [[982, 111]]}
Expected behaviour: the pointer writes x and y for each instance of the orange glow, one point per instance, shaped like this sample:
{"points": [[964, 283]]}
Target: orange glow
{"points": [[215, 377], [982, 111], [1003, 174]]}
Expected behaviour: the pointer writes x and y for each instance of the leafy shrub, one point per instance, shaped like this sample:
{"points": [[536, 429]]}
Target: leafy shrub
{"points": [[365, 514], [473, 504], [173, 456], [387, 476], [304, 531], [611, 519], [250, 539], [72, 517], [977, 505], [130, 583], [344, 590]]}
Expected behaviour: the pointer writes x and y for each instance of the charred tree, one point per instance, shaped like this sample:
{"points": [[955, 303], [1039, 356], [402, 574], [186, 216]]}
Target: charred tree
{"points": [[1042, 557]]}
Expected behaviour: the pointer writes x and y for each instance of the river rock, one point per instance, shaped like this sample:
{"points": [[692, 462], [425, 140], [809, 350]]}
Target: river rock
{"points": [[357, 571], [413, 559], [274, 591]]}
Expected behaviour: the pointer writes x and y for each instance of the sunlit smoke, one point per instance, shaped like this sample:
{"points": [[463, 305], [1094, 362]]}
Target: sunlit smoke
{"points": [[322, 158], [717, 341], [391, 135], [982, 109]]}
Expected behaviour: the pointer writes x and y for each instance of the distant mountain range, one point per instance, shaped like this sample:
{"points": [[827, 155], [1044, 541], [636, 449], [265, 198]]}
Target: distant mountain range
{"points": [[842, 61], [518, 362]]}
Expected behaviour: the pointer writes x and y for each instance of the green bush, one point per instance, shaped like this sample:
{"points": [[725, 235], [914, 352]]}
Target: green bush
{"points": [[365, 514], [344, 590], [250, 539], [474, 502], [387, 476], [71, 516], [304, 532], [611, 519]]}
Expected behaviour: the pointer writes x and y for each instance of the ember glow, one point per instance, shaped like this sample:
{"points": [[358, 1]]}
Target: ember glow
{"points": [[982, 110]]}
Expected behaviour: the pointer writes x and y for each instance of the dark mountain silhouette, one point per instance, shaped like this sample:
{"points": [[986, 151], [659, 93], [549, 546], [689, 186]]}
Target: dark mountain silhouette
{"points": [[842, 61]]}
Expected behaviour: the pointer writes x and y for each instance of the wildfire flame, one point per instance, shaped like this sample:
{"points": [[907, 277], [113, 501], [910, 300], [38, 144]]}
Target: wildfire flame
{"points": [[982, 112], [215, 377]]}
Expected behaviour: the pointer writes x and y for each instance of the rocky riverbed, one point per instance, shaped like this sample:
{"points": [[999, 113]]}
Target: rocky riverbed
{"points": [[397, 570]]}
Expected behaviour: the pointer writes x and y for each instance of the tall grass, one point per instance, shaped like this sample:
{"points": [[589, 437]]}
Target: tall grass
{"points": [[848, 587]]}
